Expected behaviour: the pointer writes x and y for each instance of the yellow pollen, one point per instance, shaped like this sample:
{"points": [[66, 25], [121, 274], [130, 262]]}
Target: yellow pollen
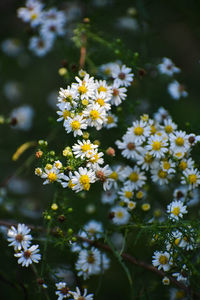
{"points": [[34, 16], [75, 125], [163, 260], [110, 120], [70, 184], [133, 176], [84, 179], [176, 211], [82, 89], [107, 71], [86, 187], [139, 195], [66, 114], [177, 241], [168, 129], [131, 205], [102, 89], [94, 114], [148, 158], [38, 171], [179, 141], [48, 167], [114, 175], [146, 206], [100, 101], [183, 165], [86, 147], [90, 259], [162, 174], [119, 214], [138, 130], [166, 165], [94, 158], [156, 145], [52, 177], [153, 129], [192, 178], [85, 102], [128, 194]]}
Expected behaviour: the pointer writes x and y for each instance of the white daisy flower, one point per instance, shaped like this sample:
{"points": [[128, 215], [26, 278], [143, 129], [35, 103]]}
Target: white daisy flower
{"points": [[146, 161], [95, 159], [162, 260], [159, 176], [96, 115], [51, 29], [93, 229], [186, 163], [22, 117], [85, 87], [28, 256], [83, 149], [31, 13], [54, 14], [179, 142], [176, 209], [82, 179], [169, 126], [11, 47], [107, 69], [126, 193], [167, 67], [140, 130], [131, 205], [68, 95], [157, 146], [177, 295], [62, 291], [122, 75], [111, 121], [193, 139], [135, 177], [102, 100], [177, 90], [118, 94], [75, 125], [168, 166], [20, 237], [78, 296], [108, 197], [103, 175], [64, 112], [40, 46], [104, 89], [52, 174], [191, 177], [120, 215], [118, 174], [130, 149], [161, 115]]}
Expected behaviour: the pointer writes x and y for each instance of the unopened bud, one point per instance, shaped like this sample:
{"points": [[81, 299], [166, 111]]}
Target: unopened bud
{"points": [[38, 154], [110, 151]]}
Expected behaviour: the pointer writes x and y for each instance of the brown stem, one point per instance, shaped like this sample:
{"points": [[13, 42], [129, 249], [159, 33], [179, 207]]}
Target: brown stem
{"points": [[126, 257], [83, 52]]}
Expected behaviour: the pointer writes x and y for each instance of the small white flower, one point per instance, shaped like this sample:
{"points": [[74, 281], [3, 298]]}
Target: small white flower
{"points": [[157, 146], [22, 117], [126, 193], [140, 131], [96, 115], [111, 121], [160, 176], [167, 67], [161, 115], [122, 75], [118, 94], [135, 177], [93, 229], [75, 125], [82, 179], [176, 209], [169, 126], [108, 197], [85, 87], [168, 166], [62, 291], [179, 142], [103, 175], [20, 237], [166, 280], [161, 260], [83, 149], [129, 148], [191, 177], [77, 295], [121, 216], [28, 256], [40, 46], [177, 90], [52, 174]]}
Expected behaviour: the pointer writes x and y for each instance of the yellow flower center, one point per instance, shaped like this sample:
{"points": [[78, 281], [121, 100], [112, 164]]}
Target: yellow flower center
{"points": [[66, 114], [114, 175], [119, 214], [180, 295], [94, 158], [90, 259], [166, 165], [94, 114], [192, 178], [163, 260], [34, 16], [179, 141], [52, 177], [133, 176], [138, 130], [156, 145], [100, 101], [110, 120], [168, 129], [176, 211], [48, 166], [177, 241], [85, 102], [75, 125], [128, 194], [84, 179], [153, 129], [162, 174], [70, 184], [102, 89], [146, 206], [131, 205], [86, 147], [107, 71], [82, 89], [183, 165], [139, 195], [38, 171], [148, 158]]}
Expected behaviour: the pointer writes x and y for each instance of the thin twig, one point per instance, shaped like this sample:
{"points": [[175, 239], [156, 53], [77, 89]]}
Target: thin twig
{"points": [[83, 51]]}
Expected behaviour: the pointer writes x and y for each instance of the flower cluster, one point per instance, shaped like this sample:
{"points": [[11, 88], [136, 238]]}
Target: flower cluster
{"points": [[90, 260], [20, 239], [64, 292], [175, 89], [49, 22]]}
